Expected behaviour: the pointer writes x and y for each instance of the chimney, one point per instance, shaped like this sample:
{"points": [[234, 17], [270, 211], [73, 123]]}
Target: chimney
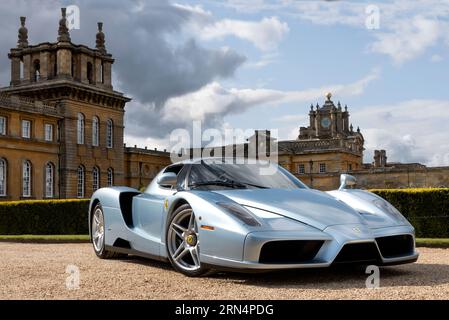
{"points": [[383, 158], [376, 158]]}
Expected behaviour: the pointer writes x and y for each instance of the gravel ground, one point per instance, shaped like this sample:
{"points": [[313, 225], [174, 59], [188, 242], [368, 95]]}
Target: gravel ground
{"points": [[38, 271]]}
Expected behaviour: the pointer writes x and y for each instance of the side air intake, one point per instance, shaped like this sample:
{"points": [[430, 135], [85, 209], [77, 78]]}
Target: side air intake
{"points": [[396, 246]]}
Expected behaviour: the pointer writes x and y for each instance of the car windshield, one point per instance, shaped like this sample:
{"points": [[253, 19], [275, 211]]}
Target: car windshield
{"points": [[212, 175]]}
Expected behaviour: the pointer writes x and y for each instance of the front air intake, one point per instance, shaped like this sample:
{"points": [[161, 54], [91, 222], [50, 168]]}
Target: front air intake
{"points": [[289, 251], [396, 246], [362, 252]]}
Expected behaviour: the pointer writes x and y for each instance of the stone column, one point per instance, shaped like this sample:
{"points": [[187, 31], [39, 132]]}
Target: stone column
{"points": [[15, 70], [98, 75], [45, 64], [27, 67], [333, 124], [64, 63], [107, 74]]}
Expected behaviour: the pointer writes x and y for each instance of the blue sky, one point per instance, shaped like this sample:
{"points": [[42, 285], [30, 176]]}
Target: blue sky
{"points": [[320, 50], [256, 64]]}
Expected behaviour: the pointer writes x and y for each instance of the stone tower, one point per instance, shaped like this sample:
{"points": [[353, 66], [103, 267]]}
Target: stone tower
{"points": [[76, 80], [328, 121]]}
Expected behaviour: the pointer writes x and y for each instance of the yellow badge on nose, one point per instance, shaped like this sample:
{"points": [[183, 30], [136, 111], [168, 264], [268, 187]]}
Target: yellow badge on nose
{"points": [[166, 204]]}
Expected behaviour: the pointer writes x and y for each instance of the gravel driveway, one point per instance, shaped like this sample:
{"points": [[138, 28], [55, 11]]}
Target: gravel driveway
{"points": [[38, 271]]}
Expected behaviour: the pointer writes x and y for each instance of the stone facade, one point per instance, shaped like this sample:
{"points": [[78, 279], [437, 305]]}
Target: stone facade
{"points": [[142, 165], [69, 87]]}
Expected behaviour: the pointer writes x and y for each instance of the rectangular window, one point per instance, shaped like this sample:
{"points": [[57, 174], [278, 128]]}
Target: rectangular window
{"points": [[26, 129], [48, 132], [301, 168], [2, 177], [322, 167], [26, 179], [49, 181], [350, 167], [2, 126]]}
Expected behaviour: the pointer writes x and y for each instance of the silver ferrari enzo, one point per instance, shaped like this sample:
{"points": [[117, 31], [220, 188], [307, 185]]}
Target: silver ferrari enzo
{"points": [[213, 214]]}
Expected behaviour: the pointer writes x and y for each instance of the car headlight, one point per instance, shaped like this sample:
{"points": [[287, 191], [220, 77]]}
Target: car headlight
{"points": [[240, 213], [387, 207]]}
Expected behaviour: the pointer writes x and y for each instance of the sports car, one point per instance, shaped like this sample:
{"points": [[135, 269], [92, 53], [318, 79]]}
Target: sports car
{"points": [[214, 214]]}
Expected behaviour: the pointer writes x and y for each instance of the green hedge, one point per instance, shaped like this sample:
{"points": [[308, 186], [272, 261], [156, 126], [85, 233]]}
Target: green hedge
{"points": [[44, 217], [426, 209]]}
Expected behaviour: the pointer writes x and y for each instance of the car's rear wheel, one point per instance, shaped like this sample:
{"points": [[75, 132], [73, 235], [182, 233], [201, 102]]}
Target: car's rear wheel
{"points": [[183, 243], [98, 234]]}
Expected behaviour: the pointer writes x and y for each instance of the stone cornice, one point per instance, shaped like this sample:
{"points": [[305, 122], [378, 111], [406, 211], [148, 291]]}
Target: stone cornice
{"points": [[22, 104], [48, 46], [67, 89]]}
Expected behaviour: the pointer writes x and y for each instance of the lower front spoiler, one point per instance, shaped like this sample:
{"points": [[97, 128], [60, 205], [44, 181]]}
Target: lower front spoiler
{"points": [[247, 266]]}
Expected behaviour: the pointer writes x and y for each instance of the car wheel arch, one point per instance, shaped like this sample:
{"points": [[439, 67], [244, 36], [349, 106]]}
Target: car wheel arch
{"points": [[175, 205], [95, 202]]}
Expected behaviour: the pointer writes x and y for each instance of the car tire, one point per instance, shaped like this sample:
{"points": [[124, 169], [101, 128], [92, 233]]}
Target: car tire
{"points": [[175, 238], [98, 234]]}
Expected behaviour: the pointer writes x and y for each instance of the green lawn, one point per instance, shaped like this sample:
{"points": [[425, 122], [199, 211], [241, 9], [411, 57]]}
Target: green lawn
{"points": [[420, 242], [45, 238], [433, 242]]}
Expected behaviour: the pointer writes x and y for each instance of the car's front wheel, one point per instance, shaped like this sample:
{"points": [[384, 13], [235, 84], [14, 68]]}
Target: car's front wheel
{"points": [[183, 243], [98, 235]]}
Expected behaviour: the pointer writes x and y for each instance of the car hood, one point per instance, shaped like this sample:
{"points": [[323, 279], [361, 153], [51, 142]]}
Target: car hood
{"points": [[311, 207]]}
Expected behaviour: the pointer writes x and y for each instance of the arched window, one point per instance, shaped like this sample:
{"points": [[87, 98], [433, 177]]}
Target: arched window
{"points": [[89, 72], [81, 182], [110, 134], [49, 180], [26, 179], [95, 179], [2, 177], [80, 128], [110, 177], [37, 69], [95, 131]]}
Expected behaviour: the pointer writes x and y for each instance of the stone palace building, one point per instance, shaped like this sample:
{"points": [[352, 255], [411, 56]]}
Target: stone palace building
{"points": [[61, 123], [61, 131]]}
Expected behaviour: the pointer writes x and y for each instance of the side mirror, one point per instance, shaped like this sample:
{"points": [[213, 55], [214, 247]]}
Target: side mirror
{"points": [[347, 180], [167, 179]]}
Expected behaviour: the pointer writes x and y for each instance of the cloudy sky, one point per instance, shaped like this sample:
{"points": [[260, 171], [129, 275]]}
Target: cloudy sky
{"points": [[256, 64]]}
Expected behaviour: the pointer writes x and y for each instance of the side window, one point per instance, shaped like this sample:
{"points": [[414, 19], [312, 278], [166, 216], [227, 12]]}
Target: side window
{"points": [[182, 175]]}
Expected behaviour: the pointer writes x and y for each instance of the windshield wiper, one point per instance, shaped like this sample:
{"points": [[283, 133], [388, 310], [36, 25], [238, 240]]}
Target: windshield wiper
{"points": [[224, 183], [253, 185]]}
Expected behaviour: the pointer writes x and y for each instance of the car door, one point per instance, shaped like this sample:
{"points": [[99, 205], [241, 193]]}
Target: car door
{"points": [[149, 216]]}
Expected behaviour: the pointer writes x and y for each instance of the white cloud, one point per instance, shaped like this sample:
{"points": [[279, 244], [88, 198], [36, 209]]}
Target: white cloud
{"points": [[408, 39], [435, 58], [410, 131], [265, 60], [215, 101], [265, 34], [407, 28]]}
